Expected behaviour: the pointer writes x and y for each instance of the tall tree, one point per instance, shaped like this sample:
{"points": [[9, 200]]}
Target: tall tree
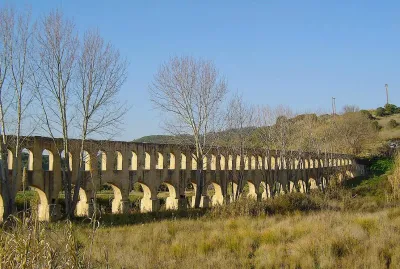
{"points": [[190, 92]]}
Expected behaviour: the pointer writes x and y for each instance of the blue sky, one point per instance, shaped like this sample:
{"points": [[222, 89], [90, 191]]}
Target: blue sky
{"points": [[296, 53]]}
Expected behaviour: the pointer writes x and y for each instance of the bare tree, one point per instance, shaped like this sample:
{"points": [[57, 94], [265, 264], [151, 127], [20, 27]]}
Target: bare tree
{"points": [[15, 96], [190, 92], [101, 73], [239, 127], [57, 50]]}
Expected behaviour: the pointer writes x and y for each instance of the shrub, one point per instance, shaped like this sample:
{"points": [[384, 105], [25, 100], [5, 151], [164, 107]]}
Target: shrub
{"points": [[367, 114], [380, 112], [390, 109], [376, 125], [392, 124]]}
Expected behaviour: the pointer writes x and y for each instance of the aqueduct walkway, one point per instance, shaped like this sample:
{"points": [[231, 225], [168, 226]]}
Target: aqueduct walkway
{"points": [[121, 164]]}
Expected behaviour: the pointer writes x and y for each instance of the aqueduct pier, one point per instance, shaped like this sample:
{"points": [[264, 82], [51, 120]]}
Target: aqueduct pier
{"points": [[121, 164]]}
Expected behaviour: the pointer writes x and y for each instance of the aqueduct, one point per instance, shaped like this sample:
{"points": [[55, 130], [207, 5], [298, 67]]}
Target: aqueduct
{"points": [[121, 164]]}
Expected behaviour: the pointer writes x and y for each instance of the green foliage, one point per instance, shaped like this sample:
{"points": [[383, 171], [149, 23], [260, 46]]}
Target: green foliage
{"points": [[380, 112], [376, 125], [379, 166], [367, 114], [392, 124], [390, 109]]}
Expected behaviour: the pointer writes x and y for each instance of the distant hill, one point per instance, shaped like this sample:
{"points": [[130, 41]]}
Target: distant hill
{"points": [[157, 139]]}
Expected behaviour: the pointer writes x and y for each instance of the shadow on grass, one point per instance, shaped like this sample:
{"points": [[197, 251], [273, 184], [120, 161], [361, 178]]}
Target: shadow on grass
{"points": [[142, 218]]}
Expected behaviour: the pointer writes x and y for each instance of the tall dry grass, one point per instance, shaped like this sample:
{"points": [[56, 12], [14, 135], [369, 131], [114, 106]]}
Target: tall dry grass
{"points": [[394, 179]]}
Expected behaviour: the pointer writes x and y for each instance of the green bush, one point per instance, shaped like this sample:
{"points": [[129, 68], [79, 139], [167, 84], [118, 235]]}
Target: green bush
{"points": [[380, 112], [390, 109], [376, 125], [392, 124], [367, 114]]}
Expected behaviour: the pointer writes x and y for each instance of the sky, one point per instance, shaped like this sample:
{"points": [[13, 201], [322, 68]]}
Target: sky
{"points": [[296, 53]]}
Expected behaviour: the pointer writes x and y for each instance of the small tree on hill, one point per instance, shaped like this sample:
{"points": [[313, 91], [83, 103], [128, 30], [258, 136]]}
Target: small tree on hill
{"points": [[390, 109], [392, 124], [380, 112]]}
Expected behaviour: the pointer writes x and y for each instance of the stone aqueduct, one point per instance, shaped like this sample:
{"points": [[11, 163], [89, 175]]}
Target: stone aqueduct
{"points": [[125, 163]]}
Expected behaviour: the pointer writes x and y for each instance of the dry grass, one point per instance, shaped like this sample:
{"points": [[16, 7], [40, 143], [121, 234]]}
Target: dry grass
{"points": [[388, 133], [318, 240]]}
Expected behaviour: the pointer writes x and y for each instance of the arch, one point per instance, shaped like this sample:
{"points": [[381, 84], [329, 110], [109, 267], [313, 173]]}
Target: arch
{"points": [[307, 164], [292, 186], [302, 186], [265, 190], [146, 161], [190, 193], [82, 207], [1, 209], [237, 162], [134, 161], [312, 183], [27, 159], [171, 161], [213, 162], [273, 163], [10, 159], [205, 163], [252, 163], [117, 160], [143, 191], [222, 162], [102, 160], [194, 162], [116, 206], [47, 160], [251, 190], [232, 189], [63, 155], [160, 161], [183, 161], [246, 162], [216, 198], [171, 203], [43, 211], [85, 160], [230, 162], [259, 162]]}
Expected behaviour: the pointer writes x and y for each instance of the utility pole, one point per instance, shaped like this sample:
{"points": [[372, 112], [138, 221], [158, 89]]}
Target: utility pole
{"points": [[333, 106], [387, 93]]}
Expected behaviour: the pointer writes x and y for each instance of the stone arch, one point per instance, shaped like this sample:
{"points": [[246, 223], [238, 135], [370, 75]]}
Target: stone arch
{"points": [[1, 208], [292, 186], [222, 162], [134, 161], [171, 203], [273, 163], [307, 164], [251, 190], [216, 198], [147, 203], [171, 161], [102, 160], [252, 163], [43, 211], [47, 160], [259, 162], [232, 189], [160, 161], [213, 163], [230, 162], [194, 162], [237, 160], [183, 161], [63, 155], [85, 160], [146, 161], [246, 162], [10, 160], [82, 207], [264, 190], [27, 159], [312, 183], [117, 160], [302, 186]]}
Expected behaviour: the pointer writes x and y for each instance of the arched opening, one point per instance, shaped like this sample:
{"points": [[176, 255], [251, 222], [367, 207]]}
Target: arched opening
{"points": [[246, 162], [43, 212], [102, 160], [214, 191], [264, 190], [117, 161], [141, 198], [213, 164], [10, 159], [160, 161], [205, 162], [171, 161], [109, 199], [1, 209], [302, 186], [259, 162], [292, 187], [249, 190], [27, 159], [63, 160], [273, 163], [82, 207], [167, 195], [146, 161], [183, 161], [190, 193], [252, 162], [222, 162], [134, 161], [85, 160], [313, 184], [230, 162], [238, 161], [194, 162], [47, 160], [232, 189]]}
